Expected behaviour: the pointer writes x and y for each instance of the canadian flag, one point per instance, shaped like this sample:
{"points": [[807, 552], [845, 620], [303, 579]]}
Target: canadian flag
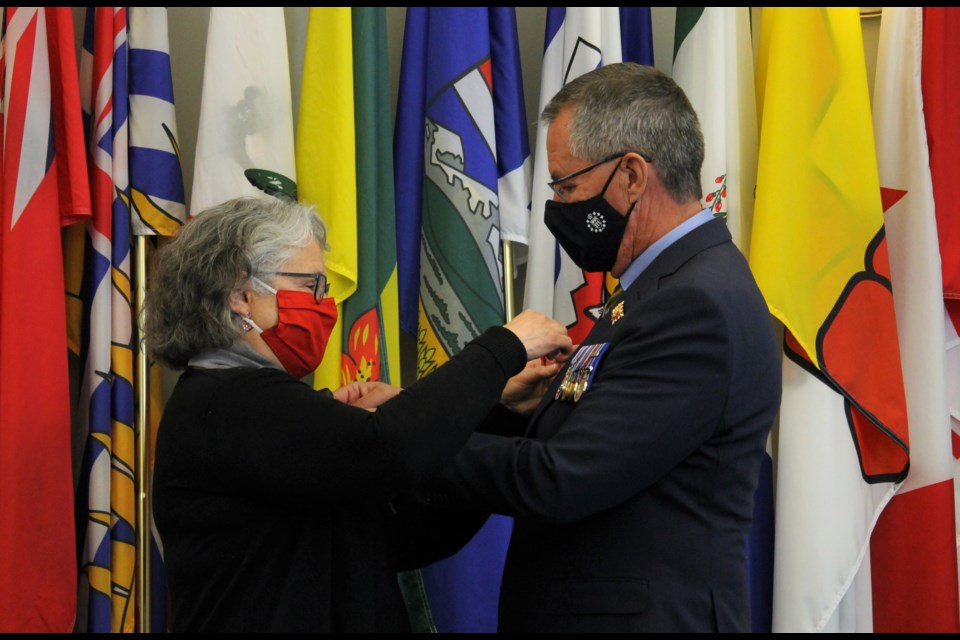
{"points": [[912, 571]]}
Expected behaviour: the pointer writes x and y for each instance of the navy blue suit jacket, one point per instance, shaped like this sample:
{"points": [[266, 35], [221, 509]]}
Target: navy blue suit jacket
{"points": [[633, 504]]}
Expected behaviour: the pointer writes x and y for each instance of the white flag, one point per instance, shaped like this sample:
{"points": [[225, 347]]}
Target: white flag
{"points": [[578, 40], [246, 117], [714, 66]]}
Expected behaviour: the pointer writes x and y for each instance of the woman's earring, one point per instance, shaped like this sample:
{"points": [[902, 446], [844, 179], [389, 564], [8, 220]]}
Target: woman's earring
{"points": [[244, 324]]}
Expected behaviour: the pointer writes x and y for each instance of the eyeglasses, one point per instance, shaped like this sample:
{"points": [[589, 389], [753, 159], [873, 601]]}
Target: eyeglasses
{"points": [[320, 285], [561, 192]]}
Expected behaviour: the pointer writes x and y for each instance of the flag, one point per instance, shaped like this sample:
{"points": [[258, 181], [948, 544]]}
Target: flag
{"points": [[941, 53], [461, 163], [44, 186], [328, 179], [913, 549], [156, 179], [636, 35], [713, 64], [370, 349], [245, 140], [157, 205], [578, 40], [107, 490], [819, 254]]}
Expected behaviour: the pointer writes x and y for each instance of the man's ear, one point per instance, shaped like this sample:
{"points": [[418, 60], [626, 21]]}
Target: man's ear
{"points": [[638, 174]]}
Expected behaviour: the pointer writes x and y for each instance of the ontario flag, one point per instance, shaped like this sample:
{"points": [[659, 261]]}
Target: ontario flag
{"points": [[819, 253], [913, 549], [577, 40], [44, 186], [461, 162]]}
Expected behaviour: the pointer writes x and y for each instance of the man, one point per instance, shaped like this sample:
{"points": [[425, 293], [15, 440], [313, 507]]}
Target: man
{"points": [[632, 490]]}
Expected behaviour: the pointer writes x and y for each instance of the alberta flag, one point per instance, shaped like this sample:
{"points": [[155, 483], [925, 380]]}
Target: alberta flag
{"points": [[462, 167]]}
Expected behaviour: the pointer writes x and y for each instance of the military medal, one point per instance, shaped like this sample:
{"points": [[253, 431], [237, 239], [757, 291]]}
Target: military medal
{"points": [[579, 374], [613, 306], [617, 313]]}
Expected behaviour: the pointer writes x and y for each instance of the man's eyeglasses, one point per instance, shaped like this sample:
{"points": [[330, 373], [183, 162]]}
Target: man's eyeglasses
{"points": [[320, 285], [557, 185]]}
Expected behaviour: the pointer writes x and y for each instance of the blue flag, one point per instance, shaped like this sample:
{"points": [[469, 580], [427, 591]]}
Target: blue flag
{"points": [[462, 172]]}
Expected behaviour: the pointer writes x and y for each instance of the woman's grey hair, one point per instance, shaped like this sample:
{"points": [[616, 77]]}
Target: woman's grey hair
{"points": [[186, 308], [626, 107]]}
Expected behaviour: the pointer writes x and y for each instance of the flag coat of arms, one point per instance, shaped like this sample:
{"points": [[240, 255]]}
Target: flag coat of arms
{"points": [[461, 166]]}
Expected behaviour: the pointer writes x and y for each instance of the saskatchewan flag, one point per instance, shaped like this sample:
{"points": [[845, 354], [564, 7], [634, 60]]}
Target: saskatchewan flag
{"points": [[344, 167]]}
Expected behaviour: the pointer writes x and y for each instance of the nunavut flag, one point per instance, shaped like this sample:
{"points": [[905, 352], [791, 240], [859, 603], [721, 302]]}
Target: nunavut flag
{"points": [[819, 254], [43, 185]]}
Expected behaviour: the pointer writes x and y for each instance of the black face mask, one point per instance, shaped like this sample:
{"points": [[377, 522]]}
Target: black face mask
{"points": [[589, 231]]}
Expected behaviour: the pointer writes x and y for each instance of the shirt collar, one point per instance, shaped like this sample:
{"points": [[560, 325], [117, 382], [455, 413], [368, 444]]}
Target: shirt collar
{"points": [[642, 261]]}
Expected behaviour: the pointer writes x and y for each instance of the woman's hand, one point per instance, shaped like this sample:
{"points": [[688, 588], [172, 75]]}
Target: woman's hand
{"points": [[366, 395], [541, 335], [524, 390]]}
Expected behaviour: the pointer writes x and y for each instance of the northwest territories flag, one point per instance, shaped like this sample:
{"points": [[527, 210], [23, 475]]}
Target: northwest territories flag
{"points": [[462, 179]]}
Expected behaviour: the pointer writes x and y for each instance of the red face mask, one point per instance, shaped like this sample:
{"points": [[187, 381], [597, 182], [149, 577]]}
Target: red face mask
{"points": [[301, 335]]}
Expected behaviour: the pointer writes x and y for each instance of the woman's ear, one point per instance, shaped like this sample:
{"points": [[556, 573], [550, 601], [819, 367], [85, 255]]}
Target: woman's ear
{"points": [[239, 301]]}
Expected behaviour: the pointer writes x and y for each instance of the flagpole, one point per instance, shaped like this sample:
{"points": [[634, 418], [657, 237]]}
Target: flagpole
{"points": [[508, 279], [143, 447]]}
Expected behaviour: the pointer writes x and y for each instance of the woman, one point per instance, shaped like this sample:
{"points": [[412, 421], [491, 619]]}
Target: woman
{"points": [[275, 502]]}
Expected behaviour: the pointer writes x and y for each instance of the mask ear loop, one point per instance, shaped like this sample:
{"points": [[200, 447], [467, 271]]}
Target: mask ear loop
{"points": [[247, 322], [610, 179]]}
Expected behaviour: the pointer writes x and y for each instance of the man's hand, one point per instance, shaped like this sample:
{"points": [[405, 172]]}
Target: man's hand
{"points": [[366, 395]]}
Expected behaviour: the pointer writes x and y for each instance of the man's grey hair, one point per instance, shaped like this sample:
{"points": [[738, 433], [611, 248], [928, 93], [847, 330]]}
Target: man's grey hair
{"points": [[186, 309], [626, 107]]}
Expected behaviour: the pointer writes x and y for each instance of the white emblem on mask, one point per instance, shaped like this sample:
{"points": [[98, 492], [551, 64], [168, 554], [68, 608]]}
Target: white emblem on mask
{"points": [[596, 222]]}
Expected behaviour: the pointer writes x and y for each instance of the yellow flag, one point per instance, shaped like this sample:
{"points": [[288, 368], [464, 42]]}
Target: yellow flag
{"points": [[818, 194], [326, 159]]}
